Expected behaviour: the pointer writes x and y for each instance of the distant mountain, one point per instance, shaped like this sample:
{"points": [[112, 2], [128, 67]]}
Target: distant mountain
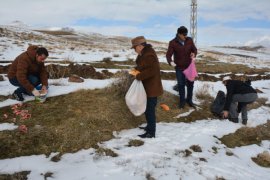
{"points": [[18, 24], [263, 41]]}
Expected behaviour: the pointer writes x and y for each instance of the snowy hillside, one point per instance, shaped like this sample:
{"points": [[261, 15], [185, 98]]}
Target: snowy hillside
{"points": [[65, 44], [188, 150]]}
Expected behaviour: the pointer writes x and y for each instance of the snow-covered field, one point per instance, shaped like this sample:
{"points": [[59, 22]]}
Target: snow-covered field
{"points": [[162, 157]]}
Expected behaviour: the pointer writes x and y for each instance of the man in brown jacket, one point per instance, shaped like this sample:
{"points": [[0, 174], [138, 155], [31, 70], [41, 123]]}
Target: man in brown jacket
{"points": [[148, 71], [183, 50], [27, 72]]}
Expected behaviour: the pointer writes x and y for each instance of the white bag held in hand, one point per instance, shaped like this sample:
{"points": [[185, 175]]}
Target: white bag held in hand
{"points": [[136, 98]]}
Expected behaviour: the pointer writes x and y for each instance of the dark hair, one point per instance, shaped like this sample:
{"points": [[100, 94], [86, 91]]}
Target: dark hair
{"points": [[42, 50], [182, 30]]}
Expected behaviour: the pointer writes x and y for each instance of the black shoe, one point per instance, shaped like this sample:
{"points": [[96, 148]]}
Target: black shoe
{"points": [[18, 96], [244, 121], [181, 105], [235, 120], [147, 135], [191, 104]]}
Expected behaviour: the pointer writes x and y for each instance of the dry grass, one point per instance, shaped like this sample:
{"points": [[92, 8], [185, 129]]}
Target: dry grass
{"points": [[122, 83], [56, 33], [68, 124], [16, 176], [135, 142], [196, 148], [106, 152], [204, 93], [210, 65], [246, 136], [80, 120], [262, 159]]}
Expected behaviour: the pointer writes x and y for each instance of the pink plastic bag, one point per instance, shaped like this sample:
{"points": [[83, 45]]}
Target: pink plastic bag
{"points": [[191, 71]]}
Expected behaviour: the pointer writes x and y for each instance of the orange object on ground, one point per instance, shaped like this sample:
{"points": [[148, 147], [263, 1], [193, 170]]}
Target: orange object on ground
{"points": [[164, 107]]}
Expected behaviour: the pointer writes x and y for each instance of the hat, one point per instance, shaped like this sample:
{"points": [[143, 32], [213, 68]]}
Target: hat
{"points": [[137, 41], [226, 78], [182, 30]]}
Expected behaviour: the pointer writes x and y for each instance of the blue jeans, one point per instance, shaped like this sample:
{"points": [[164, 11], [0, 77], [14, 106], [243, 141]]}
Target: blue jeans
{"points": [[34, 80], [182, 82], [150, 115]]}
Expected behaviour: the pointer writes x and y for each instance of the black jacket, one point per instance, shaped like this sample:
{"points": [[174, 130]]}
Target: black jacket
{"points": [[236, 87]]}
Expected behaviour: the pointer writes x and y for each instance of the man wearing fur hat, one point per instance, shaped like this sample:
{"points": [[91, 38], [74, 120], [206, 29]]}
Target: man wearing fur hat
{"points": [[148, 71], [183, 49], [238, 95], [27, 71]]}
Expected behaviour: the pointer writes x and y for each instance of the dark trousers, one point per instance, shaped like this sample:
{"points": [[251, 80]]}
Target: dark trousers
{"points": [[182, 82], [150, 115], [34, 80]]}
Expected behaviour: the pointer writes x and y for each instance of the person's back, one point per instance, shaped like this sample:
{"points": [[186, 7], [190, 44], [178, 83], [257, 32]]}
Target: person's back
{"points": [[239, 87], [239, 94], [23, 59]]}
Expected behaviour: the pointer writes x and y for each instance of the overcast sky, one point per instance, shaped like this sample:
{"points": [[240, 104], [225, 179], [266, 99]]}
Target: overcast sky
{"points": [[220, 22]]}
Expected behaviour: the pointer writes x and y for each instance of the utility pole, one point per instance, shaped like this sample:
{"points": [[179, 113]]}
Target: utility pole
{"points": [[193, 21]]}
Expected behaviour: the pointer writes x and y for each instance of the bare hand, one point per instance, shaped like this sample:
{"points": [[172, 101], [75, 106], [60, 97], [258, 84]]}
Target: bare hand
{"points": [[225, 114]]}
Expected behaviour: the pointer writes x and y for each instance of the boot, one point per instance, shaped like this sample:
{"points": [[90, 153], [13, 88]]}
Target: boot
{"points": [[18, 96], [234, 120], [244, 121], [182, 105], [191, 104], [147, 135]]}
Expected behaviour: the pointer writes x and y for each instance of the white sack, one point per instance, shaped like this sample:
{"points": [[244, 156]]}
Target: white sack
{"points": [[136, 98]]}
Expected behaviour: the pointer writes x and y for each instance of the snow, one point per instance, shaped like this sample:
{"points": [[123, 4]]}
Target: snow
{"points": [[255, 59], [162, 157], [7, 126]]}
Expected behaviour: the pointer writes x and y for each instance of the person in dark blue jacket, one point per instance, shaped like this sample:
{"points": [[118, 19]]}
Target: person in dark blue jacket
{"points": [[239, 94]]}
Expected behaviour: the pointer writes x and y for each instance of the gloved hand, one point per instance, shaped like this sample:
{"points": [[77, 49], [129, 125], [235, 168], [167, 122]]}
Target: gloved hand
{"points": [[35, 92], [172, 64], [134, 72]]}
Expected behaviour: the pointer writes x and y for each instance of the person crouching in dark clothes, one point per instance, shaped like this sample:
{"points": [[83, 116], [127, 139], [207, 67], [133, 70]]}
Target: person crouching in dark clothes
{"points": [[239, 94]]}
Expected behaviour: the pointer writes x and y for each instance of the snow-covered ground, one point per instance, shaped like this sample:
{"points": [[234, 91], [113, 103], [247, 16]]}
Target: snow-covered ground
{"points": [[162, 157], [238, 56]]}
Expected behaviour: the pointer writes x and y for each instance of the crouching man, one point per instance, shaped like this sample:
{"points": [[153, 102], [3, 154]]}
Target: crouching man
{"points": [[28, 72], [239, 94]]}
